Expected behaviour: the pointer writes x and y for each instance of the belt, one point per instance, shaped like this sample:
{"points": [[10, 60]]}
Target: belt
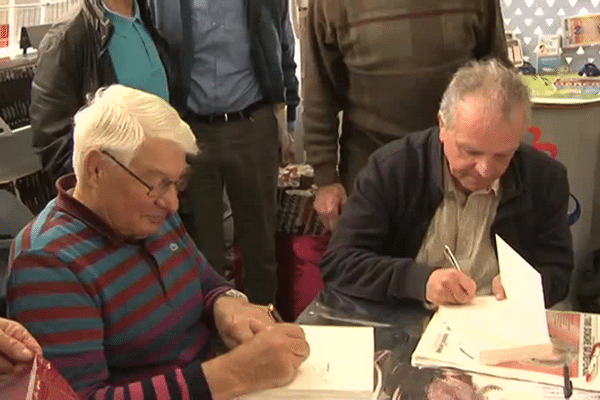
{"points": [[246, 113]]}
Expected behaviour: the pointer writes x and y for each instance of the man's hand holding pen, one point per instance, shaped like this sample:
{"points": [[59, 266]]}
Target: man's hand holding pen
{"points": [[450, 286]]}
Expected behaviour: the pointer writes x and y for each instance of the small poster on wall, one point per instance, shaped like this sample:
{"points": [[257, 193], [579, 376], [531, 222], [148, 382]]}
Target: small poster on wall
{"points": [[548, 54], [515, 49], [581, 30]]}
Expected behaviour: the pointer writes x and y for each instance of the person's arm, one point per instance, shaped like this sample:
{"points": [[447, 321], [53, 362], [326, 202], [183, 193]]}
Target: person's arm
{"points": [[55, 97], [288, 65], [355, 262], [491, 39], [70, 328], [324, 90], [554, 247]]}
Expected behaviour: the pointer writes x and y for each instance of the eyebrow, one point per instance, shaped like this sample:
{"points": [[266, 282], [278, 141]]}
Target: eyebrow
{"points": [[163, 173]]}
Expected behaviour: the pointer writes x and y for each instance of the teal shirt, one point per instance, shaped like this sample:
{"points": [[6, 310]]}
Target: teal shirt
{"points": [[134, 55]]}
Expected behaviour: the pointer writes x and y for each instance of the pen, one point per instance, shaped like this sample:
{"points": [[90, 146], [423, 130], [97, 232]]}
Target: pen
{"points": [[273, 313], [450, 256], [568, 387]]}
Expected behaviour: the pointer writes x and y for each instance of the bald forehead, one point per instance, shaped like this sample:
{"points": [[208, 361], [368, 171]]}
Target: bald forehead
{"points": [[488, 111]]}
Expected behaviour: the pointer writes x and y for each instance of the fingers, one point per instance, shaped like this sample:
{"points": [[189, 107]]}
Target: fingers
{"points": [[16, 343], [6, 367], [450, 286], [328, 204], [294, 340], [498, 289]]}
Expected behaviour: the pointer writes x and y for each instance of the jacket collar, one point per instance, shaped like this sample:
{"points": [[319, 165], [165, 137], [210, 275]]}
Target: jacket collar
{"points": [[100, 22]]}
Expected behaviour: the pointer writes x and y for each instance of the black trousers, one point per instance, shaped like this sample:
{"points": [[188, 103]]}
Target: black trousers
{"points": [[242, 156]]}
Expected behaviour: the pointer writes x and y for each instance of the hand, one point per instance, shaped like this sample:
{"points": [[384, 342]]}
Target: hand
{"points": [[450, 286], [270, 359], [17, 347], [237, 320], [498, 289], [329, 201], [288, 155]]}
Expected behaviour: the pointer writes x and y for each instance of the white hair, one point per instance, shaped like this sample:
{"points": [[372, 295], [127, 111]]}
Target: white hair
{"points": [[502, 86], [118, 119]]}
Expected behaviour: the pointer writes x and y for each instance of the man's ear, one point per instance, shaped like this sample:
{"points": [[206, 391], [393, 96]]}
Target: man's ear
{"points": [[442, 127], [94, 167]]}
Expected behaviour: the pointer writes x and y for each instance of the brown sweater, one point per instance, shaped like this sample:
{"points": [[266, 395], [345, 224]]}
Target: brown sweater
{"points": [[386, 64]]}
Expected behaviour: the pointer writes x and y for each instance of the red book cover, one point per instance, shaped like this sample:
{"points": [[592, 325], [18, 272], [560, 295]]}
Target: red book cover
{"points": [[40, 382]]}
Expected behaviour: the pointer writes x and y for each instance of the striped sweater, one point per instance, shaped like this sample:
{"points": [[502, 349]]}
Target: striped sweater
{"points": [[120, 319]]}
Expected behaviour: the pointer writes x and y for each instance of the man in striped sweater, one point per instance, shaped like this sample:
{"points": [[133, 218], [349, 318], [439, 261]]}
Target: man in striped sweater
{"points": [[110, 284]]}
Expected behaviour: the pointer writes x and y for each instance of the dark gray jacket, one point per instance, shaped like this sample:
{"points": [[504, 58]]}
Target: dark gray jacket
{"points": [[73, 62], [271, 48], [371, 255]]}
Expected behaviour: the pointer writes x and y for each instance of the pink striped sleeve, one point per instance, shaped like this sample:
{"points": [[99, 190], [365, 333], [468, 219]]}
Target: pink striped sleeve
{"points": [[119, 393], [160, 387], [185, 393], [136, 392]]}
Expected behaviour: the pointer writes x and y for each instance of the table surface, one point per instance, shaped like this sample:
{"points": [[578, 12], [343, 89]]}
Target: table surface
{"points": [[397, 332]]}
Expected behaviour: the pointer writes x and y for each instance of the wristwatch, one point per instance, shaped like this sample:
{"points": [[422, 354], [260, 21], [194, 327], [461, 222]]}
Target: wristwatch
{"points": [[235, 293]]}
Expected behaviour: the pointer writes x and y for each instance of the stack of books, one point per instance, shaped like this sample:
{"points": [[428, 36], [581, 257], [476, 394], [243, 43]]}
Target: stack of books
{"points": [[295, 197]]}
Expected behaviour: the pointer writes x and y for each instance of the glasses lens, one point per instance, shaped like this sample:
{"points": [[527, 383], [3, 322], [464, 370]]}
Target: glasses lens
{"points": [[164, 185], [182, 183]]}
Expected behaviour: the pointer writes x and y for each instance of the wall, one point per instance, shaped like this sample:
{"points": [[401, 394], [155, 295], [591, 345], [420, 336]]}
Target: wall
{"points": [[531, 18]]}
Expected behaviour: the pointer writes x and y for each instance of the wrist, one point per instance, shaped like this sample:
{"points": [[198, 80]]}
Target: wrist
{"points": [[236, 294], [223, 378]]}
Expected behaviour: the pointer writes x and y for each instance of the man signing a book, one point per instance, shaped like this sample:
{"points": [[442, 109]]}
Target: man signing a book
{"points": [[114, 289], [455, 186]]}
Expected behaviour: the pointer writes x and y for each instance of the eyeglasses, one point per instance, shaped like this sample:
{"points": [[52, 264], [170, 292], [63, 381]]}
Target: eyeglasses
{"points": [[158, 190]]}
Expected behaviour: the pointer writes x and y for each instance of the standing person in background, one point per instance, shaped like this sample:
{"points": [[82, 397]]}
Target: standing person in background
{"points": [[96, 43], [236, 60], [385, 65]]}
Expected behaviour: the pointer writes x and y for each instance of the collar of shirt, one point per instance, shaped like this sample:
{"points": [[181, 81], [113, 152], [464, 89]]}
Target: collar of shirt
{"points": [[121, 22], [70, 205]]}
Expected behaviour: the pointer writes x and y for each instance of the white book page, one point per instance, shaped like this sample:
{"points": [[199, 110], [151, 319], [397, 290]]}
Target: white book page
{"points": [[489, 324], [341, 358]]}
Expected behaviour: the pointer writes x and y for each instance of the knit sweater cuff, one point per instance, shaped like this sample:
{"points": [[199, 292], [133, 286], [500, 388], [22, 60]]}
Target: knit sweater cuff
{"points": [[325, 175]]}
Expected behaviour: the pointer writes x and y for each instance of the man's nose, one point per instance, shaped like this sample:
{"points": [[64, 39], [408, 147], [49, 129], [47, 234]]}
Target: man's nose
{"points": [[485, 168], [169, 200]]}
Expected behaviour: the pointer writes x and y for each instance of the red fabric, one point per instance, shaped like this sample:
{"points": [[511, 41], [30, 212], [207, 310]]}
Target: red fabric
{"points": [[298, 271], [48, 385]]}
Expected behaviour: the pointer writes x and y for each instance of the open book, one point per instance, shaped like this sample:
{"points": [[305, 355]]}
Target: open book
{"points": [[489, 331], [340, 366]]}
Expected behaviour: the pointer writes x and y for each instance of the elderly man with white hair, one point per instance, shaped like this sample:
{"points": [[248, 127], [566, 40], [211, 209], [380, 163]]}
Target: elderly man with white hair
{"points": [[116, 292]]}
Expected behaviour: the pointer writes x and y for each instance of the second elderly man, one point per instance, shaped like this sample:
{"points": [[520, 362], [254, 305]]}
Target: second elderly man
{"points": [[455, 185], [116, 292]]}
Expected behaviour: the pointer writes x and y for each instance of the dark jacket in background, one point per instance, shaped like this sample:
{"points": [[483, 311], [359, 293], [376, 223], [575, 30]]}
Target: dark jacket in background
{"points": [[371, 254], [74, 61], [271, 48]]}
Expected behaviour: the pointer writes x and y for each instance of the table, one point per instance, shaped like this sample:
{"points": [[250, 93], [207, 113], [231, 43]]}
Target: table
{"points": [[397, 332]]}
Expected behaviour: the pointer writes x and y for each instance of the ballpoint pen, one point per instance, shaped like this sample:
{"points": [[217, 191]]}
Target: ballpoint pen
{"points": [[450, 256], [568, 385], [274, 314]]}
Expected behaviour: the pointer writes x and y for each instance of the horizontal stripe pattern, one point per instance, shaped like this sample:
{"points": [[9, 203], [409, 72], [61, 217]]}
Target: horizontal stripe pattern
{"points": [[108, 311]]}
